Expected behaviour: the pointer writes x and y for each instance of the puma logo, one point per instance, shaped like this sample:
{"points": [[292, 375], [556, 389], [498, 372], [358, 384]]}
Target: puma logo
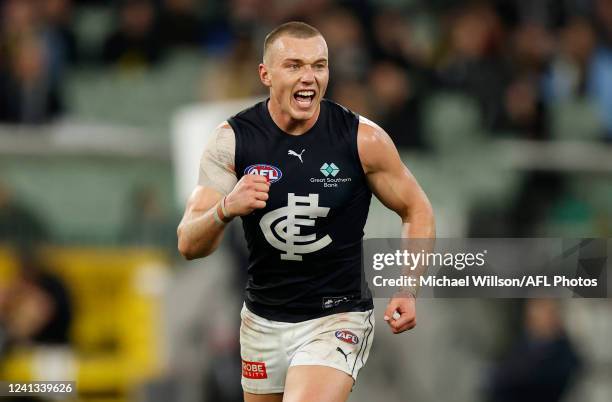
{"points": [[343, 354], [293, 153]]}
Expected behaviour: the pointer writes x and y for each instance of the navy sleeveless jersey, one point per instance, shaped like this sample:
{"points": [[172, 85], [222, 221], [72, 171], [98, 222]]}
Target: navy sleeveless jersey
{"points": [[305, 250]]}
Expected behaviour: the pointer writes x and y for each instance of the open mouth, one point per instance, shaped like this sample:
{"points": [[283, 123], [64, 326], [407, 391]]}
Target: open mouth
{"points": [[304, 98]]}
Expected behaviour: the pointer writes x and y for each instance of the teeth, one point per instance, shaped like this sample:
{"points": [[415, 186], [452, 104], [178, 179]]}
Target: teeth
{"points": [[305, 93]]}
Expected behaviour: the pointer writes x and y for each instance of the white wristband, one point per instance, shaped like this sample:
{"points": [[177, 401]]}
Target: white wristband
{"points": [[217, 217], [225, 214]]}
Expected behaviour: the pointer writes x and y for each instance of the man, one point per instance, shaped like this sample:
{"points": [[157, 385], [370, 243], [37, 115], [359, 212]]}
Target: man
{"points": [[299, 170]]}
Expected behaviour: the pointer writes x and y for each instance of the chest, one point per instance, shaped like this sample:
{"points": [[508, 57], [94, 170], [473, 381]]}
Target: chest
{"points": [[325, 168]]}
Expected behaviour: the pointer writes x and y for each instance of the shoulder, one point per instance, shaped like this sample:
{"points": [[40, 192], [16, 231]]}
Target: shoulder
{"points": [[223, 134], [342, 120], [224, 128], [221, 145], [336, 109], [217, 164], [336, 106], [370, 133], [374, 144], [250, 113]]}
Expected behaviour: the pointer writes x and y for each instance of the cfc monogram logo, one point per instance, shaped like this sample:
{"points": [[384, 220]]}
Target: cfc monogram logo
{"points": [[284, 223]]}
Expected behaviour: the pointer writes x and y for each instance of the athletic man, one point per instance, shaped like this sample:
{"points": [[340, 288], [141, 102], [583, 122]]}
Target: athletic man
{"points": [[300, 170]]}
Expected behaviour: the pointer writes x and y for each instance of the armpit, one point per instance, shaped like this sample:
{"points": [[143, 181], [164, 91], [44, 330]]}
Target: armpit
{"points": [[217, 162]]}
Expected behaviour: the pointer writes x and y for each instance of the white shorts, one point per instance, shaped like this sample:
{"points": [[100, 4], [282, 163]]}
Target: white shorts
{"points": [[268, 348]]}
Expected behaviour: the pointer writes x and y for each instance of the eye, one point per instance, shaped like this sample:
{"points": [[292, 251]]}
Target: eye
{"points": [[320, 66], [293, 66]]}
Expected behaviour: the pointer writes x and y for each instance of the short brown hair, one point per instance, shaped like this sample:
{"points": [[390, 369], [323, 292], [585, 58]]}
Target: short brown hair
{"points": [[295, 29]]}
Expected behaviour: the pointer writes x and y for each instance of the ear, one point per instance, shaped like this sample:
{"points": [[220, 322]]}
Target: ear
{"points": [[264, 75]]}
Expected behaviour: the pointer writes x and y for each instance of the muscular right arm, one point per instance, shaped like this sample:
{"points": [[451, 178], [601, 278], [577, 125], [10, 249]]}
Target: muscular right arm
{"points": [[199, 232]]}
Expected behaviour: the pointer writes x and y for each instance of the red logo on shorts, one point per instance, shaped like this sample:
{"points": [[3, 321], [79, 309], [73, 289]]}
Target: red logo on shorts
{"points": [[254, 370], [347, 336]]}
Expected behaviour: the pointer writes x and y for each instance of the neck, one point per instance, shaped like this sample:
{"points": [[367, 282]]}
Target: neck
{"points": [[288, 124]]}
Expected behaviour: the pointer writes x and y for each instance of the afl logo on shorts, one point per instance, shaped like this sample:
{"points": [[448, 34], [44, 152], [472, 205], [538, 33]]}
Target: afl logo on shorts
{"points": [[347, 336], [273, 173]]}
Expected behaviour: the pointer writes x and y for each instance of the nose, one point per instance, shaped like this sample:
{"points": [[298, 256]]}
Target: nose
{"points": [[308, 75]]}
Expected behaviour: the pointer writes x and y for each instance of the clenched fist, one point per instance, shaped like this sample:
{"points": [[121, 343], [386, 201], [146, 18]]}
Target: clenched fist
{"points": [[401, 313], [249, 194]]}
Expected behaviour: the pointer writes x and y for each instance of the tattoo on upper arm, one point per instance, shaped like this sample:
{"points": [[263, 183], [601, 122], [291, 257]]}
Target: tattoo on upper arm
{"points": [[218, 159]]}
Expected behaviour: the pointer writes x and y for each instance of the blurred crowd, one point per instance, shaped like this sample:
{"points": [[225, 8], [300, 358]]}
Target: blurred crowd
{"points": [[36, 43], [36, 307], [514, 59]]}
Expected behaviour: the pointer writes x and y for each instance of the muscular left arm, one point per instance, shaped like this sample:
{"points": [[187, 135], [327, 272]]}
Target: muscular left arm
{"points": [[398, 190]]}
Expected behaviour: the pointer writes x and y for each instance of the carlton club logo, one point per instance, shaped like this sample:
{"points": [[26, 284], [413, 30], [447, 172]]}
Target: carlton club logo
{"points": [[273, 173], [347, 336], [281, 227]]}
